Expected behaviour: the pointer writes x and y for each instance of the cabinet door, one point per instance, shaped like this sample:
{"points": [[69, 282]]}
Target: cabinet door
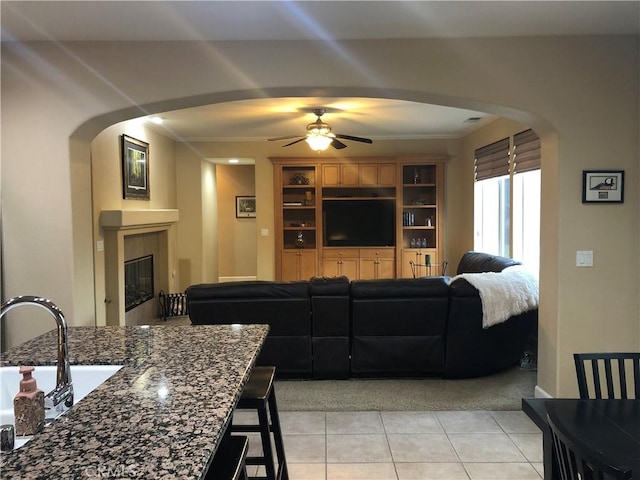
{"points": [[340, 262], [307, 264], [349, 268], [425, 263], [387, 174], [330, 267], [339, 175], [377, 175], [376, 263], [411, 255], [368, 175], [289, 265], [386, 268], [367, 268], [298, 264], [349, 175], [331, 175]]}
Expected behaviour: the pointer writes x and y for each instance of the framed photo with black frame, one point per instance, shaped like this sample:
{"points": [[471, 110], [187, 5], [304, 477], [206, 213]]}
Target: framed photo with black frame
{"points": [[135, 169], [602, 186], [245, 207]]}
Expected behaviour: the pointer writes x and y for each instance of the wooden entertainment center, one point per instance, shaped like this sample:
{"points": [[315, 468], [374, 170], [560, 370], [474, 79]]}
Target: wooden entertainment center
{"points": [[326, 209]]}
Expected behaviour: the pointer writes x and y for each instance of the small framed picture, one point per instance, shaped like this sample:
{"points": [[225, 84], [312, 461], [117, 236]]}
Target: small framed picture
{"points": [[603, 186], [135, 169], [245, 207]]}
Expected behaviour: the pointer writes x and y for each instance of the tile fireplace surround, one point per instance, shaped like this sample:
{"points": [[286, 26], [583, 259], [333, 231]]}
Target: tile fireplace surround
{"points": [[129, 234]]}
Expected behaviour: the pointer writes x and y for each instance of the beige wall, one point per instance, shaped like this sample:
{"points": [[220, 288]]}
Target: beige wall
{"points": [[237, 237], [197, 228], [579, 93], [106, 184]]}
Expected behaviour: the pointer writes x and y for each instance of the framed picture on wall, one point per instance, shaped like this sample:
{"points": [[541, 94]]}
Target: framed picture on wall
{"points": [[245, 207], [135, 169], [603, 186]]}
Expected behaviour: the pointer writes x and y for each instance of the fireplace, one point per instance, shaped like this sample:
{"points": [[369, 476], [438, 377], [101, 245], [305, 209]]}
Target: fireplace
{"points": [[138, 281], [130, 235]]}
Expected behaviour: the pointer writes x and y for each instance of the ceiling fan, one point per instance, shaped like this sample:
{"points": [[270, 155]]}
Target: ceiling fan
{"points": [[319, 135]]}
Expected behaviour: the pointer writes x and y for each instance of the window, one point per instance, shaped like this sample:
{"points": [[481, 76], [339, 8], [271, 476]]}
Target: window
{"points": [[507, 198], [491, 217], [526, 218]]}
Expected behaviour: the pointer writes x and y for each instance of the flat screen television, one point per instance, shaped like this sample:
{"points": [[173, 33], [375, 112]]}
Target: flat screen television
{"points": [[359, 223]]}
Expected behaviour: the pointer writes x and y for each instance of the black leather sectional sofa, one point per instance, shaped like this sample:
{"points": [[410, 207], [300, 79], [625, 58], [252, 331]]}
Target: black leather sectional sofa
{"points": [[334, 328]]}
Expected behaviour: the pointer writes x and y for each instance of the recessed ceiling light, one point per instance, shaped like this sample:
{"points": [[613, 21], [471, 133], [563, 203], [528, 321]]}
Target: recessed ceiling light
{"points": [[156, 120], [233, 160]]}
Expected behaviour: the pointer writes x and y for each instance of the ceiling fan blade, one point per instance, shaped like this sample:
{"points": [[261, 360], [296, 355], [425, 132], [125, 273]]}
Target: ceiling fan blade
{"points": [[295, 141], [282, 138], [337, 144], [355, 139]]}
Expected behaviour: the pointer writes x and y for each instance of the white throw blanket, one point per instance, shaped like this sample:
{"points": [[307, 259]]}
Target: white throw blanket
{"points": [[504, 294]]}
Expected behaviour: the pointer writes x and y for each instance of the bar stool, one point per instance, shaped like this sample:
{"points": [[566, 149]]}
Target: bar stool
{"points": [[259, 395], [229, 460]]}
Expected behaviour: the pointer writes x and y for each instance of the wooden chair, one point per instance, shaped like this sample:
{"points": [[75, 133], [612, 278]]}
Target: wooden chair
{"points": [[575, 462], [620, 371]]}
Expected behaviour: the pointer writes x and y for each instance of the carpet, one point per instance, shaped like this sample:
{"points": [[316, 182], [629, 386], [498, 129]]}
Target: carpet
{"points": [[501, 391]]}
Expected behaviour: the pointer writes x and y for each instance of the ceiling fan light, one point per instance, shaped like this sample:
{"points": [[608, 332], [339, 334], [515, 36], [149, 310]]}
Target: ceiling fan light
{"points": [[319, 143], [322, 129]]}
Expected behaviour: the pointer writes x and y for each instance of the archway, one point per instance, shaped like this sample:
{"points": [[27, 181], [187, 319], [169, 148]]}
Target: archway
{"points": [[400, 95]]}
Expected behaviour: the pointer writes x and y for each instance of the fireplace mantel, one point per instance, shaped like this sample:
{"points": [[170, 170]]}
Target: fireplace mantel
{"points": [[125, 219]]}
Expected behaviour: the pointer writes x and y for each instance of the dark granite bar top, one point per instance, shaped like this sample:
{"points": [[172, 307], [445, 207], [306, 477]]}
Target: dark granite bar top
{"points": [[161, 416]]}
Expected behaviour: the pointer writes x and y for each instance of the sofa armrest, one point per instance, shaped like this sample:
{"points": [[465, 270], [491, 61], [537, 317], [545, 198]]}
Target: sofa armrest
{"points": [[330, 306], [478, 262], [472, 350], [329, 286]]}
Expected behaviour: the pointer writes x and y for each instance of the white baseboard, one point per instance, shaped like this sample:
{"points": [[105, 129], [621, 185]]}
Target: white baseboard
{"points": [[541, 393], [236, 279]]}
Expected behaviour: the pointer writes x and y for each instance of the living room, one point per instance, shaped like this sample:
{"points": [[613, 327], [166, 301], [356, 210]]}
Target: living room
{"points": [[235, 251], [566, 95]]}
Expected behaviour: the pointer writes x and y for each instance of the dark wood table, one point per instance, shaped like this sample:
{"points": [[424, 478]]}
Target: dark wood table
{"points": [[611, 427]]}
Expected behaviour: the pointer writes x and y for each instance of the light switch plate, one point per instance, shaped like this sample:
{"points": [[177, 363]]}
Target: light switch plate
{"points": [[584, 258], [264, 232]]}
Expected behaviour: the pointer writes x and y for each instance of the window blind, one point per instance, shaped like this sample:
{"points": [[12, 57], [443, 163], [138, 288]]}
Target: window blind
{"points": [[526, 151], [492, 160]]}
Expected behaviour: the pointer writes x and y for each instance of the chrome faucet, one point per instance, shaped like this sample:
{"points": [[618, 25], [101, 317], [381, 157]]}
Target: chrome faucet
{"points": [[60, 398]]}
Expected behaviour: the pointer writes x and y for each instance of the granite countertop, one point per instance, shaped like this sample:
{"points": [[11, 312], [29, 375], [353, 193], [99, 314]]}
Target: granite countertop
{"points": [[160, 416]]}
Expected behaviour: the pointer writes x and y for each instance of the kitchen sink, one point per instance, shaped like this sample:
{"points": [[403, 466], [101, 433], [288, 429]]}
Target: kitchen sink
{"points": [[85, 378]]}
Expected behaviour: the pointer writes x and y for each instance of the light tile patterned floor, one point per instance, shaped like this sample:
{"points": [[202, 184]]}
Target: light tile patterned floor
{"points": [[469, 445]]}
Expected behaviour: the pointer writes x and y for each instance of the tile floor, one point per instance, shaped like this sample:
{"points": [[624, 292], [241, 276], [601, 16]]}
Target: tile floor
{"points": [[442, 445]]}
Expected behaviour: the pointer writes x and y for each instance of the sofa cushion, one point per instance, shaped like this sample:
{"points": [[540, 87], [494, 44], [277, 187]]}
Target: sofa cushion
{"points": [[401, 288], [398, 325], [249, 289], [478, 262]]}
